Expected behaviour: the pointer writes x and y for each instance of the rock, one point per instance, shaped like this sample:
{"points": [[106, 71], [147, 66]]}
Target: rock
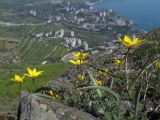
{"points": [[126, 105], [34, 107], [149, 105]]}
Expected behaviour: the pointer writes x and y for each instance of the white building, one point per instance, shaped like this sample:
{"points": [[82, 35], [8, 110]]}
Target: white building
{"points": [[85, 25], [72, 34], [73, 42], [91, 8], [120, 22], [80, 20], [47, 35], [59, 33], [44, 62], [97, 19], [49, 21], [82, 10], [110, 10], [39, 35], [79, 42], [67, 9], [131, 22], [77, 12], [33, 13], [50, 33], [85, 45], [58, 18], [68, 3], [75, 17], [102, 14]]}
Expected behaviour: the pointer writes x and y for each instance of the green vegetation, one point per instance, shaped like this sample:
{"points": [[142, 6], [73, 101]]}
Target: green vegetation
{"points": [[31, 49], [10, 90], [128, 89], [35, 50], [118, 90], [93, 38]]}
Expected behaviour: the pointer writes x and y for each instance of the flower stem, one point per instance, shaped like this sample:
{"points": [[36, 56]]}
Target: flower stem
{"points": [[112, 82], [33, 80], [79, 69], [20, 84], [126, 70]]}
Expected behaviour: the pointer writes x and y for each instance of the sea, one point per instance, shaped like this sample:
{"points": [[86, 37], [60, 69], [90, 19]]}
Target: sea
{"points": [[146, 13]]}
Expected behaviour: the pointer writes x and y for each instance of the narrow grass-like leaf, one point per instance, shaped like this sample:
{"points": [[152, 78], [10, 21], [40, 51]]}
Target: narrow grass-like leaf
{"points": [[106, 89], [146, 66], [44, 96], [137, 96], [95, 84], [157, 38]]}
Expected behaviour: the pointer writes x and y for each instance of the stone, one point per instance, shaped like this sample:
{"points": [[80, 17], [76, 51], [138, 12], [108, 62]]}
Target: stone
{"points": [[126, 105], [35, 107]]}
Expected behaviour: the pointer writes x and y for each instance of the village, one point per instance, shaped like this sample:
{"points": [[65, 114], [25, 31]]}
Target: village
{"points": [[82, 17]]}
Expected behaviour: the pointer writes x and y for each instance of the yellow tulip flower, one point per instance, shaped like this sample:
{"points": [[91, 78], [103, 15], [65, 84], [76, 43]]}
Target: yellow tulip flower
{"points": [[102, 71], [99, 82], [80, 77], [129, 43], [77, 62], [52, 93], [80, 55], [33, 73], [18, 78], [118, 62], [157, 64]]}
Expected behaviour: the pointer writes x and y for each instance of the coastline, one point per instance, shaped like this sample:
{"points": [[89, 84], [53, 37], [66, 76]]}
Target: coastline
{"points": [[93, 3], [99, 1]]}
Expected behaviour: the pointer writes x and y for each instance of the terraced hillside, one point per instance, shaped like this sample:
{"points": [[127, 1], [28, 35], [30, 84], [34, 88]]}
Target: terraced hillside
{"points": [[37, 51], [29, 51], [30, 48]]}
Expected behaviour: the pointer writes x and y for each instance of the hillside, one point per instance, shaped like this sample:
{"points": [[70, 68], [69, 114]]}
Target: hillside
{"points": [[32, 49], [20, 48], [153, 34], [35, 34], [121, 85]]}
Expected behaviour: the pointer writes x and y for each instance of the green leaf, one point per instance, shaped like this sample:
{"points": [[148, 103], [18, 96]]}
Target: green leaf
{"points": [[106, 89], [95, 84], [137, 96]]}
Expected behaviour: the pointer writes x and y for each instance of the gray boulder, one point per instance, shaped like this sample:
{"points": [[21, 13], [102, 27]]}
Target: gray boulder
{"points": [[34, 107]]}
